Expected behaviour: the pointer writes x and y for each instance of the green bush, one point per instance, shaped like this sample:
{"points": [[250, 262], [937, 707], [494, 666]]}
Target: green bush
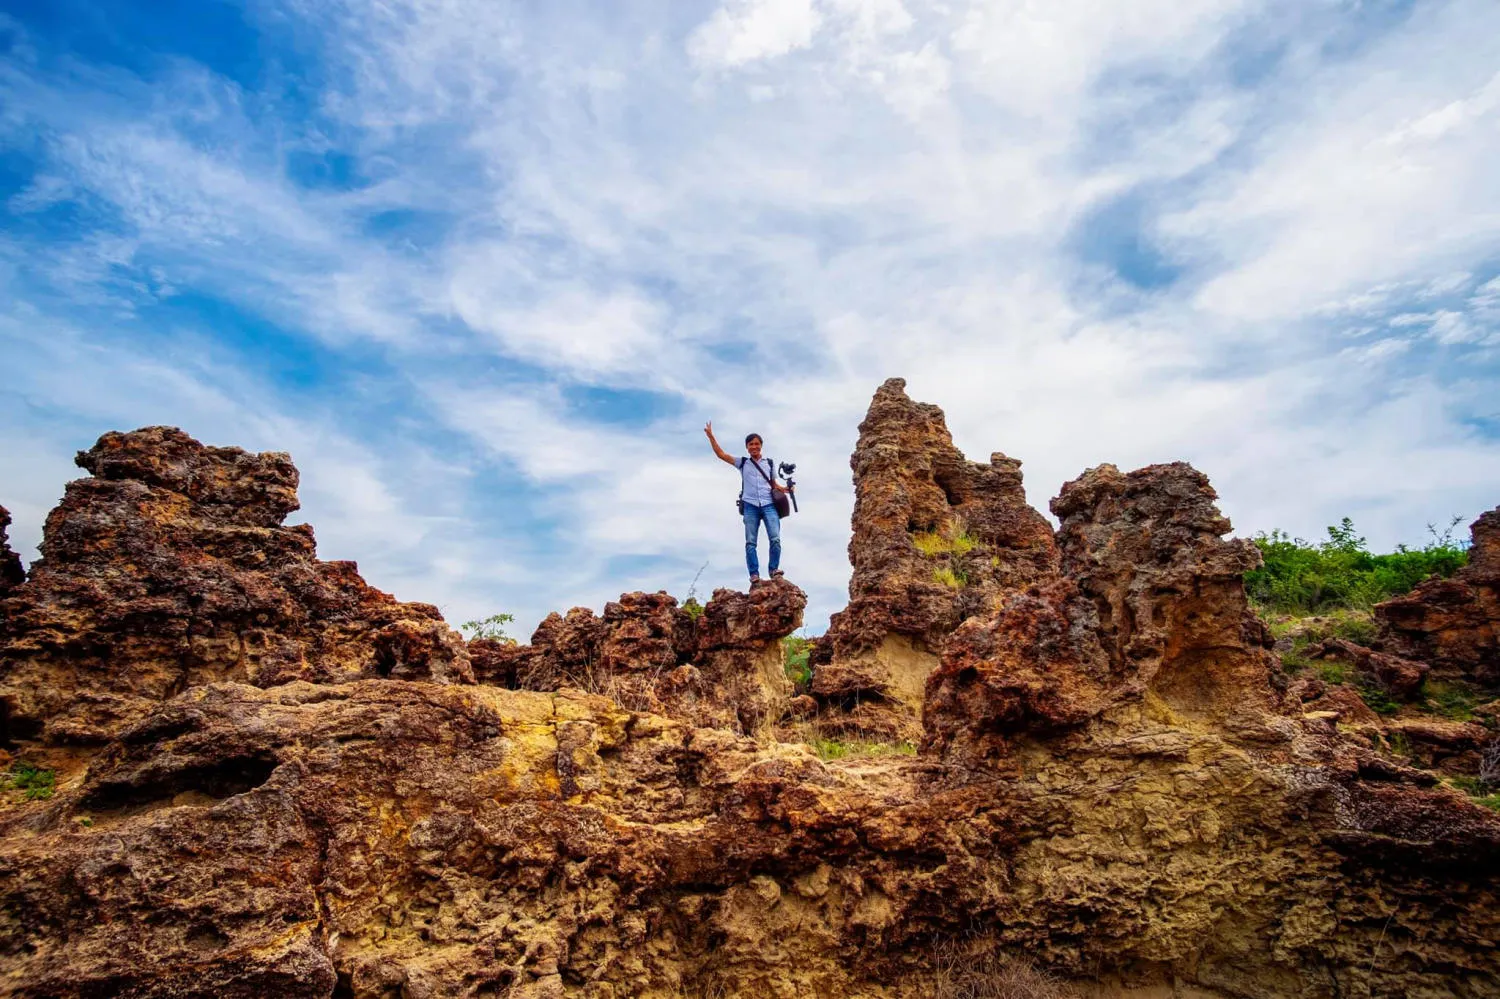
{"points": [[795, 651], [1300, 577], [38, 782], [693, 608], [492, 628]]}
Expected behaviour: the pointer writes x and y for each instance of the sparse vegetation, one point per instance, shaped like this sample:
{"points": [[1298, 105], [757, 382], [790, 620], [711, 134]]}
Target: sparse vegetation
{"points": [[1300, 577], [1333, 672], [961, 976], [955, 579], [691, 603], [1376, 697], [1451, 700], [937, 543], [491, 628], [38, 783], [795, 650], [838, 749]]}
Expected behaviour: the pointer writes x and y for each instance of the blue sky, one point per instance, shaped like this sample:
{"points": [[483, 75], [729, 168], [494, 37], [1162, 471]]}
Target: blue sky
{"points": [[486, 268]]}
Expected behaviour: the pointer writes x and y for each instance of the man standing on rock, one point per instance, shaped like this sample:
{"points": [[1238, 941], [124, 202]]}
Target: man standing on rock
{"points": [[758, 489]]}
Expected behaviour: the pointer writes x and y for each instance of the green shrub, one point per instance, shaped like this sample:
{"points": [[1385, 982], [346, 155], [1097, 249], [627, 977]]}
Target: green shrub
{"points": [[1300, 577], [492, 628], [795, 651], [39, 783], [693, 608]]}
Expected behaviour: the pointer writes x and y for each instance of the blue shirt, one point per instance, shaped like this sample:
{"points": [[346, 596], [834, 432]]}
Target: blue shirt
{"points": [[757, 489]]}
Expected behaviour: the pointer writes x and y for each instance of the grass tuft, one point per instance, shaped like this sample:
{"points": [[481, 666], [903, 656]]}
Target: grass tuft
{"points": [[838, 749], [39, 783]]}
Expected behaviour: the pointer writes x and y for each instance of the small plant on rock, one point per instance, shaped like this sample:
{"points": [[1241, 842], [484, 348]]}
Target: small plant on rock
{"points": [[795, 652], [491, 628], [39, 783], [1451, 700]]}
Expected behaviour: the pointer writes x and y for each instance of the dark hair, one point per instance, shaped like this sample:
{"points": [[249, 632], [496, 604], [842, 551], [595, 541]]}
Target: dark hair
{"points": [[752, 437]]}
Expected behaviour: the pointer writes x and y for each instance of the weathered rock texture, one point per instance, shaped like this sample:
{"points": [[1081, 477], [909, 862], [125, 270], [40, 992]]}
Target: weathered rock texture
{"points": [[913, 487], [11, 572], [1454, 624], [1115, 785], [720, 669], [169, 568], [1149, 599]]}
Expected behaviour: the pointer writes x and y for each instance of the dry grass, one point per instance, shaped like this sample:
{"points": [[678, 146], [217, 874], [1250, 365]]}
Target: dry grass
{"points": [[992, 976]]}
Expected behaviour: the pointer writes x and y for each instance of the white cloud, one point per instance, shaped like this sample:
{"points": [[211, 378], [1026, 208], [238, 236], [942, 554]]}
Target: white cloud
{"points": [[744, 31]]}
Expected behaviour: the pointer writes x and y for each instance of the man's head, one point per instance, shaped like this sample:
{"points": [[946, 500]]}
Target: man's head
{"points": [[752, 444]]}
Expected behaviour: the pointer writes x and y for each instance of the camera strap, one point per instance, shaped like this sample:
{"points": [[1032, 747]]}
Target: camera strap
{"points": [[763, 475]]}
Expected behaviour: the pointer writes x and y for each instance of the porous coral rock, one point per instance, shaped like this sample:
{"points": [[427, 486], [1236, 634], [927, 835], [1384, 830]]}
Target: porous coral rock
{"points": [[1454, 624], [936, 539], [1149, 598], [12, 574], [722, 669], [1136, 809], [169, 568]]}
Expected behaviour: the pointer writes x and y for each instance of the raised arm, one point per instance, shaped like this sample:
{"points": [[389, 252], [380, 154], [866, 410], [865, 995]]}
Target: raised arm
{"points": [[708, 429]]}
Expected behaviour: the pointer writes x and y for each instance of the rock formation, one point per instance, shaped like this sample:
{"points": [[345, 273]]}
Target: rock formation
{"points": [[720, 669], [1454, 624], [936, 539], [1148, 599], [170, 568], [1117, 782], [11, 572]]}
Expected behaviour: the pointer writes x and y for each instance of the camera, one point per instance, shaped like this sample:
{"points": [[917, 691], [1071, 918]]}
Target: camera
{"points": [[786, 470]]}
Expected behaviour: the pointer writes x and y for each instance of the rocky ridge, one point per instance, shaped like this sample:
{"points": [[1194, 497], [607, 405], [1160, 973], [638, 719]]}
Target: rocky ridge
{"points": [[1117, 779]]}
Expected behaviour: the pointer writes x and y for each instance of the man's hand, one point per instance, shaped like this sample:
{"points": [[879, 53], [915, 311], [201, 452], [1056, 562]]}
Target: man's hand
{"points": [[708, 428]]}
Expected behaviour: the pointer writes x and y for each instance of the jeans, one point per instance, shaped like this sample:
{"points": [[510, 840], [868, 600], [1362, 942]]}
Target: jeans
{"points": [[753, 517]]}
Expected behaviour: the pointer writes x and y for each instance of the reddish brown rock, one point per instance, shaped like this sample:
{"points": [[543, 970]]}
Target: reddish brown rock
{"points": [[723, 668], [1149, 598], [1116, 798], [913, 487], [394, 838], [1402, 678], [12, 574], [170, 567], [1454, 624]]}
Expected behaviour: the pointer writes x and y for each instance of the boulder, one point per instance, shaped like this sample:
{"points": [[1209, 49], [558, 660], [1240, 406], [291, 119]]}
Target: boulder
{"points": [[170, 567], [1454, 624]]}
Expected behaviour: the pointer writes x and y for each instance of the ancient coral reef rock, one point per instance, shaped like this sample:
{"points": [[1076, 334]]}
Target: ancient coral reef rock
{"points": [[170, 567], [936, 539], [1117, 782], [1454, 624], [1149, 598], [722, 668], [12, 574]]}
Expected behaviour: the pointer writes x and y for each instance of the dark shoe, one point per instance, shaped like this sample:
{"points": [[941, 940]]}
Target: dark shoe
{"points": [[754, 580], [777, 574]]}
